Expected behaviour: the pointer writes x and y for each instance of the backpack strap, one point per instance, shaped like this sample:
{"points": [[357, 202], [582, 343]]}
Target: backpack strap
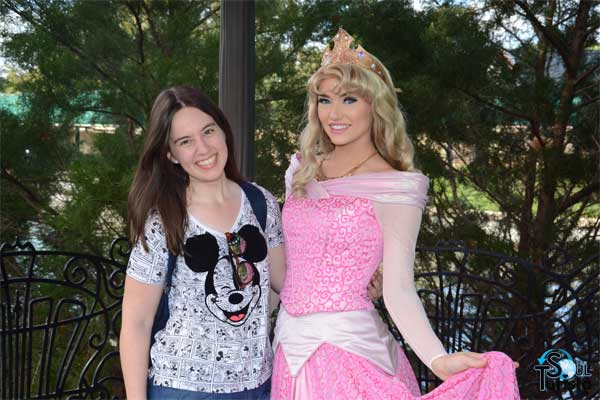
{"points": [[258, 202], [162, 312], [170, 268]]}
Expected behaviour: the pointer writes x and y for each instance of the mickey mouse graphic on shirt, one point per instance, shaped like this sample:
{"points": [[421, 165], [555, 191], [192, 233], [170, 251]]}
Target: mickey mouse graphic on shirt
{"points": [[232, 285]]}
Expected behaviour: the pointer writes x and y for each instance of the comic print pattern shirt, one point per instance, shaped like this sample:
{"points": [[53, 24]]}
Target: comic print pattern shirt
{"points": [[217, 337]]}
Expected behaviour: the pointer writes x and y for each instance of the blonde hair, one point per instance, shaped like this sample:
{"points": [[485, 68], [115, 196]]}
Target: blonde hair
{"points": [[388, 130]]}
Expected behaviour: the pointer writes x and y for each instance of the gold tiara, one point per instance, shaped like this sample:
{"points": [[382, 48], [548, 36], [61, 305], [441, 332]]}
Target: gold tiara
{"points": [[342, 53]]}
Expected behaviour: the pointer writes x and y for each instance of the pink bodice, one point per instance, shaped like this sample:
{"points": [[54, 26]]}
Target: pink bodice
{"points": [[332, 246]]}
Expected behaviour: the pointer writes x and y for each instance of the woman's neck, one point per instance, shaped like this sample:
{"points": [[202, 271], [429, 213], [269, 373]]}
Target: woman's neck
{"points": [[219, 191], [343, 156]]}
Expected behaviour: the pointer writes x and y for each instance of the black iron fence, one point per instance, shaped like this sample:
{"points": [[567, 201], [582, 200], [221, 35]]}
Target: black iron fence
{"points": [[481, 301], [61, 317], [60, 323]]}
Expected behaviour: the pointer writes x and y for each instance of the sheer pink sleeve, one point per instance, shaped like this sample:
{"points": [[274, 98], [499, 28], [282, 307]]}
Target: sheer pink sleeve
{"points": [[400, 224], [289, 173]]}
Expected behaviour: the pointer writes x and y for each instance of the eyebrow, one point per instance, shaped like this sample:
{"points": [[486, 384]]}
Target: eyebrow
{"points": [[181, 138], [210, 124], [343, 94]]}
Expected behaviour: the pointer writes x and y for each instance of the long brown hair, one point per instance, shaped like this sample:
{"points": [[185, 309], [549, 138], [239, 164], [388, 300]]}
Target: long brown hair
{"points": [[160, 185]]}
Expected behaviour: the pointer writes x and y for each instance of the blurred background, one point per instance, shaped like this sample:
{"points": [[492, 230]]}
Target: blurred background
{"points": [[501, 99]]}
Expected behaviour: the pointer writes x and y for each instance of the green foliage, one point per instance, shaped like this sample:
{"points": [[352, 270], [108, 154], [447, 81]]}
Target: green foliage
{"points": [[95, 206], [109, 59], [471, 87]]}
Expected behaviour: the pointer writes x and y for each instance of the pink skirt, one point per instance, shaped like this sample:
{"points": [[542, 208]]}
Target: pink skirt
{"points": [[332, 373]]}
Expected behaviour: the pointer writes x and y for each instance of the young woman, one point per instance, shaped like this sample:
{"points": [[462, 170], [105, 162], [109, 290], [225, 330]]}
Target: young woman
{"points": [[354, 199], [186, 200]]}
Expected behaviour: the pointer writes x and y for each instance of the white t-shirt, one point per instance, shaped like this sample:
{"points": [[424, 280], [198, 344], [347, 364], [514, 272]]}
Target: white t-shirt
{"points": [[217, 337]]}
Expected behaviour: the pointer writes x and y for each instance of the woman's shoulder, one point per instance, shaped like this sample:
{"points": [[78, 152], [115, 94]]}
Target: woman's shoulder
{"points": [[295, 161], [381, 167], [414, 179], [154, 224], [388, 186], [269, 197]]}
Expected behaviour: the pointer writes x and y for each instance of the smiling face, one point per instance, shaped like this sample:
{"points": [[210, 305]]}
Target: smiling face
{"points": [[345, 117], [198, 144], [225, 298], [228, 302]]}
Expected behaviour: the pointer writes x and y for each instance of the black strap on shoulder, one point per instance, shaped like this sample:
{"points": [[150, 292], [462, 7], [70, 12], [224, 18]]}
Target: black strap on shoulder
{"points": [[170, 268], [162, 312], [258, 202]]}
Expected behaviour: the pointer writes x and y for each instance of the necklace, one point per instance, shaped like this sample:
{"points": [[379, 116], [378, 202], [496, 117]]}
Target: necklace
{"points": [[322, 177]]}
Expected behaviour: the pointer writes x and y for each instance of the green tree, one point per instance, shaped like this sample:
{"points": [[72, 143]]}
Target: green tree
{"points": [[92, 62], [502, 98]]}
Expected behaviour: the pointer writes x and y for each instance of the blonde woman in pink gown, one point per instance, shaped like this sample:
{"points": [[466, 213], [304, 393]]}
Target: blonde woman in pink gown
{"points": [[354, 200]]}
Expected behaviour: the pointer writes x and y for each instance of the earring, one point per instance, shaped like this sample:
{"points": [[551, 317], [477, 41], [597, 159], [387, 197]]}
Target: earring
{"points": [[174, 161]]}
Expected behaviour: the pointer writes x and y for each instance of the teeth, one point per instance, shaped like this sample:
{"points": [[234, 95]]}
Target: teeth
{"points": [[207, 161], [339, 126]]}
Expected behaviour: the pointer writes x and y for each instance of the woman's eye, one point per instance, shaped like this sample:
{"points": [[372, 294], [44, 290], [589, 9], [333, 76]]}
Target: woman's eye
{"points": [[209, 131], [184, 142], [349, 100], [323, 100]]}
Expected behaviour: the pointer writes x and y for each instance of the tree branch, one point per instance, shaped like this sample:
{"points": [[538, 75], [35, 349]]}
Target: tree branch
{"points": [[102, 111], [593, 28], [490, 194], [26, 193], [497, 107], [548, 34], [587, 73], [585, 88], [578, 196], [513, 34], [77, 51], [586, 103], [138, 23]]}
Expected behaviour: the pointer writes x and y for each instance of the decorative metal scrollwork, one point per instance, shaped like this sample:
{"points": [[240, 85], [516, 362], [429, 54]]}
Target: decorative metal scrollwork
{"points": [[60, 316], [482, 301], [60, 323]]}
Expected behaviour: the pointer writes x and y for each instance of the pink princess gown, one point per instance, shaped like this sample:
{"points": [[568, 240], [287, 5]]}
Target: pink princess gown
{"points": [[329, 341]]}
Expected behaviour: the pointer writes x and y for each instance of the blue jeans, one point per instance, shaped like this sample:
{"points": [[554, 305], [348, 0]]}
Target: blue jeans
{"points": [[263, 392]]}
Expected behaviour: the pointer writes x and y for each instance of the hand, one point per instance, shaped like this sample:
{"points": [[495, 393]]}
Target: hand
{"points": [[375, 287], [446, 366]]}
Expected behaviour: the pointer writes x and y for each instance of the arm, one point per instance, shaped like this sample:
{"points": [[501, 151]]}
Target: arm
{"points": [[144, 283], [274, 237], [276, 274], [277, 267], [140, 301], [375, 288], [400, 224]]}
